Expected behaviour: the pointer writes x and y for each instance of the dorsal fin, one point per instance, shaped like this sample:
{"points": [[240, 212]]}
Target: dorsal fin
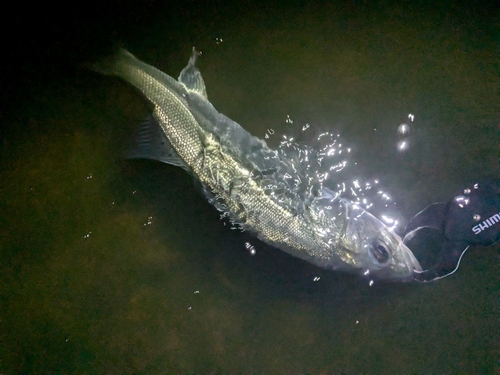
{"points": [[191, 77]]}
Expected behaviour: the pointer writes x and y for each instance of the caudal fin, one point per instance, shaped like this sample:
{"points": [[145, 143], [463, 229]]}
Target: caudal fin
{"points": [[109, 64]]}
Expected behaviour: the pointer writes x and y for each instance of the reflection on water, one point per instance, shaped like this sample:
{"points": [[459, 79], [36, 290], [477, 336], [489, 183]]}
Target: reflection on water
{"points": [[327, 162], [117, 266]]}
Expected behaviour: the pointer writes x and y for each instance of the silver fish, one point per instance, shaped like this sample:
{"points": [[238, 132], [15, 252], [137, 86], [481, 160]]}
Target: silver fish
{"points": [[254, 185]]}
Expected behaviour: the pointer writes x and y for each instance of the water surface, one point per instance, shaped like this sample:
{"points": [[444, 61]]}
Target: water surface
{"points": [[116, 266]]}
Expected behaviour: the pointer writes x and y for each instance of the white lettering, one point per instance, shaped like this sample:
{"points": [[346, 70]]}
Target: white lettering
{"points": [[495, 218], [486, 224]]}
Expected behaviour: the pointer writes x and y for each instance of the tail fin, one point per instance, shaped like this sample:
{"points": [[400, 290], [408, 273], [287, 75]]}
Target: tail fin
{"points": [[108, 65]]}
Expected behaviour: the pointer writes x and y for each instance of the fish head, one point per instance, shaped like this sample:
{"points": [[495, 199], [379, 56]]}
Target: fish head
{"points": [[375, 249]]}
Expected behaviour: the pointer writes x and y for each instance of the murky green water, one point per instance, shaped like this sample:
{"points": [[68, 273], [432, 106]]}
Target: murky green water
{"points": [[113, 266]]}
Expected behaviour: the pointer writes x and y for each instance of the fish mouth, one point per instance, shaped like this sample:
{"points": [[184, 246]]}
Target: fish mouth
{"points": [[411, 261]]}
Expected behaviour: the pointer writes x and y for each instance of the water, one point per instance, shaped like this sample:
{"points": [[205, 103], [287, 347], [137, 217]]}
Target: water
{"points": [[115, 266]]}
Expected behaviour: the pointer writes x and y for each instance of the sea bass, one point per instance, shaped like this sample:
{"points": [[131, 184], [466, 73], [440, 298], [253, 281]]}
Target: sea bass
{"points": [[260, 189]]}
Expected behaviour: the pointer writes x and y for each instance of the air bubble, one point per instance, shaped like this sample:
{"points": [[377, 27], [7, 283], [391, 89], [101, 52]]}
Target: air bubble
{"points": [[404, 129]]}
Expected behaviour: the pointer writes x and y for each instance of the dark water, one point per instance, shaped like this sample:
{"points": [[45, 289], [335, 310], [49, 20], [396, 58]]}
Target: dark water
{"points": [[112, 266]]}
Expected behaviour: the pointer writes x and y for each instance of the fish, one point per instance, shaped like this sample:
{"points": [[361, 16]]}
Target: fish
{"points": [[259, 189]]}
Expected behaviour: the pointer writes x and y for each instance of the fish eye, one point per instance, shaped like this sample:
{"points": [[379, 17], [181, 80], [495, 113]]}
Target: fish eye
{"points": [[379, 251]]}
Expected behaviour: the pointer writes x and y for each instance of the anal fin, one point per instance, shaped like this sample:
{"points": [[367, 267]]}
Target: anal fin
{"points": [[152, 143]]}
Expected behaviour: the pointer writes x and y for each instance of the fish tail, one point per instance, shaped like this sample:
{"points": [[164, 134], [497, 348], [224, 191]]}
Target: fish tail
{"points": [[110, 64]]}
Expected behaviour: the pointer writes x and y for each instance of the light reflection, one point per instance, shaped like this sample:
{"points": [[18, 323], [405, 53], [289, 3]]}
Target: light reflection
{"points": [[323, 166], [250, 248], [462, 201], [404, 132], [404, 129], [327, 163], [403, 146], [388, 219]]}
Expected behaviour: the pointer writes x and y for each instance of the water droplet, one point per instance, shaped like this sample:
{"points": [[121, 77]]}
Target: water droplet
{"points": [[250, 248], [404, 129], [403, 145]]}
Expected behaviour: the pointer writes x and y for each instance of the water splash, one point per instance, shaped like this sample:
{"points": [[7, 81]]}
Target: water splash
{"points": [[329, 161]]}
